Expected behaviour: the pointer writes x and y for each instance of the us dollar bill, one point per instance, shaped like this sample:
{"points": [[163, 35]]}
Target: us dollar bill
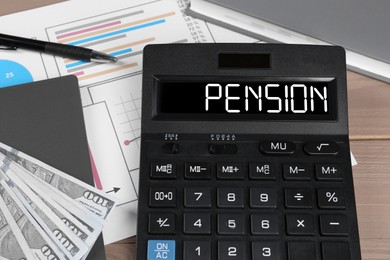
{"points": [[39, 243], [12, 243], [88, 196], [69, 220], [77, 214], [63, 237]]}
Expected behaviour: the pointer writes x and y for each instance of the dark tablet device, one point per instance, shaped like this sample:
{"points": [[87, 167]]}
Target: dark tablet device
{"points": [[45, 119]]}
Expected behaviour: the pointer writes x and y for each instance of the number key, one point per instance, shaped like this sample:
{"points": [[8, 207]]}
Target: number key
{"points": [[230, 198], [231, 224], [262, 198], [197, 250], [197, 223], [162, 197], [197, 197], [231, 250], [264, 224], [265, 250]]}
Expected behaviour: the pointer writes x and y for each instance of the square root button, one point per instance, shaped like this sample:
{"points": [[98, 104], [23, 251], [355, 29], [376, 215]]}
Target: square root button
{"points": [[161, 250]]}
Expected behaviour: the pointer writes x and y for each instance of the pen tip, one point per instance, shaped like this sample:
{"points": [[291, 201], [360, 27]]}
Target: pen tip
{"points": [[101, 57]]}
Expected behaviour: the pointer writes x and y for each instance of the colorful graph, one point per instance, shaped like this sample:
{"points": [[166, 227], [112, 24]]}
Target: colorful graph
{"points": [[13, 73], [122, 36]]}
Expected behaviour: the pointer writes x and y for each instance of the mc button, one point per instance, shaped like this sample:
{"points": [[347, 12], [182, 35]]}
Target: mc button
{"points": [[277, 148]]}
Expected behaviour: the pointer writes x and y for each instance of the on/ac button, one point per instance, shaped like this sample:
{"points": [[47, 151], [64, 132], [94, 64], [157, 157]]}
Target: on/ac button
{"points": [[277, 148]]}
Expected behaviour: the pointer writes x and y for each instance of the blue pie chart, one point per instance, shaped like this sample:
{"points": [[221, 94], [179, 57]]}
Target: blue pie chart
{"points": [[12, 73]]}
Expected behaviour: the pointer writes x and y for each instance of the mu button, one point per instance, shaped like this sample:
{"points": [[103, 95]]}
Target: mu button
{"points": [[277, 148]]}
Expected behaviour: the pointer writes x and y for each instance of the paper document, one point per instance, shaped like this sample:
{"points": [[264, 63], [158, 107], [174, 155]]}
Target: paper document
{"points": [[111, 93]]}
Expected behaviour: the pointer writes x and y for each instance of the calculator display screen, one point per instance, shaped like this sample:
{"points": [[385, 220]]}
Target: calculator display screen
{"points": [[212, 99]]}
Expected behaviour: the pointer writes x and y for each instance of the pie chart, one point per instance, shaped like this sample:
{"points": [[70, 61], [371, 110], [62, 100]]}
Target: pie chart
{"points": [[13, 73]]}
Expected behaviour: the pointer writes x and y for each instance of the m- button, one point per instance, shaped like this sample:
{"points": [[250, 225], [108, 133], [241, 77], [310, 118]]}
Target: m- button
{"points": [[297, 171]]}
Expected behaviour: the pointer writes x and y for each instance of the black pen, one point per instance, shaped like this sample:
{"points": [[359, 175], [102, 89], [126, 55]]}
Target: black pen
{"points": [[9, 42]]}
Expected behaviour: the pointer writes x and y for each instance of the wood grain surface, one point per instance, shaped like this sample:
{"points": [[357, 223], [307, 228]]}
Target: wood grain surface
{"points": [[13, 6], [369, 124]]}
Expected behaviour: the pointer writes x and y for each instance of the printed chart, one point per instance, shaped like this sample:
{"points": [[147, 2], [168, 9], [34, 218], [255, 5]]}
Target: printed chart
{"points": [[111, 93], [122, 35], [16, 69], [13, 73], [113, 126]]}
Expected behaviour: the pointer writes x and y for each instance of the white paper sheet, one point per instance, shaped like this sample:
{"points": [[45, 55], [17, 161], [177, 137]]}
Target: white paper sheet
{"points": [[111, 93]]}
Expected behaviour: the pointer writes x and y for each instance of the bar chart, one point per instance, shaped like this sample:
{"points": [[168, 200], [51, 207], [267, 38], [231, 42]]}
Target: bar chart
{"points": [[123, 35]]}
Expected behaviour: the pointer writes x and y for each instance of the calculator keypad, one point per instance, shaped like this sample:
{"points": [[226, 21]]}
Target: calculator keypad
{"points": [[281, 205]]}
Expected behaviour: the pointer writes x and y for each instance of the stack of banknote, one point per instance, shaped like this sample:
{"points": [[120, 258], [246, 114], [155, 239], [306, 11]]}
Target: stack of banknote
{"points": [[46, 213]]}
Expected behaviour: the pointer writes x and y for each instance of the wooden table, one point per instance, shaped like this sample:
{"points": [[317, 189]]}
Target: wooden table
{"points": [[369, 124]]}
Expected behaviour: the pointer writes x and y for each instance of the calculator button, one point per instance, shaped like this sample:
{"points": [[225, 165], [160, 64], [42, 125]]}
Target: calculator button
{"points": [[162, 223], [163, 197], [300, 225], [170, 148], [230, 198], [298, 198], [262, 198], [297, 171], [197, 250], [335, 251], [230, 171], [161, 249], [277, 148], [163, 171], [231, 250], [265, 250], [197, 197], [331, 199], [264, 224], [329, 172], [220, 149], [322, 148], [197, 171], [231, 224], [301, 251], [195, 223], [262, 171], [334, 225]]}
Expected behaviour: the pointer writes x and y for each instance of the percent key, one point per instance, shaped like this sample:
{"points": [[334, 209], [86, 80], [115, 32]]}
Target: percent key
{"points": [[331, 199]]}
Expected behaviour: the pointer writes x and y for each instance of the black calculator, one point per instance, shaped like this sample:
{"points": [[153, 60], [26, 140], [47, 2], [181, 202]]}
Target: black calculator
{"points": [[245, 154]]}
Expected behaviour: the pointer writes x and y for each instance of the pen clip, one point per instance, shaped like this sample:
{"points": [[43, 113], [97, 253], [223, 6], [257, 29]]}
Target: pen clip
{"points": [[7, 47]]}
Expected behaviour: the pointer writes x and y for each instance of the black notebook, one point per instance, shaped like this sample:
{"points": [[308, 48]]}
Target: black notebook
{"points": [[45, 119]]}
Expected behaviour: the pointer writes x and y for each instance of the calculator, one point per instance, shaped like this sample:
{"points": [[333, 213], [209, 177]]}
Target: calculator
{"points": [[245, 154]]}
